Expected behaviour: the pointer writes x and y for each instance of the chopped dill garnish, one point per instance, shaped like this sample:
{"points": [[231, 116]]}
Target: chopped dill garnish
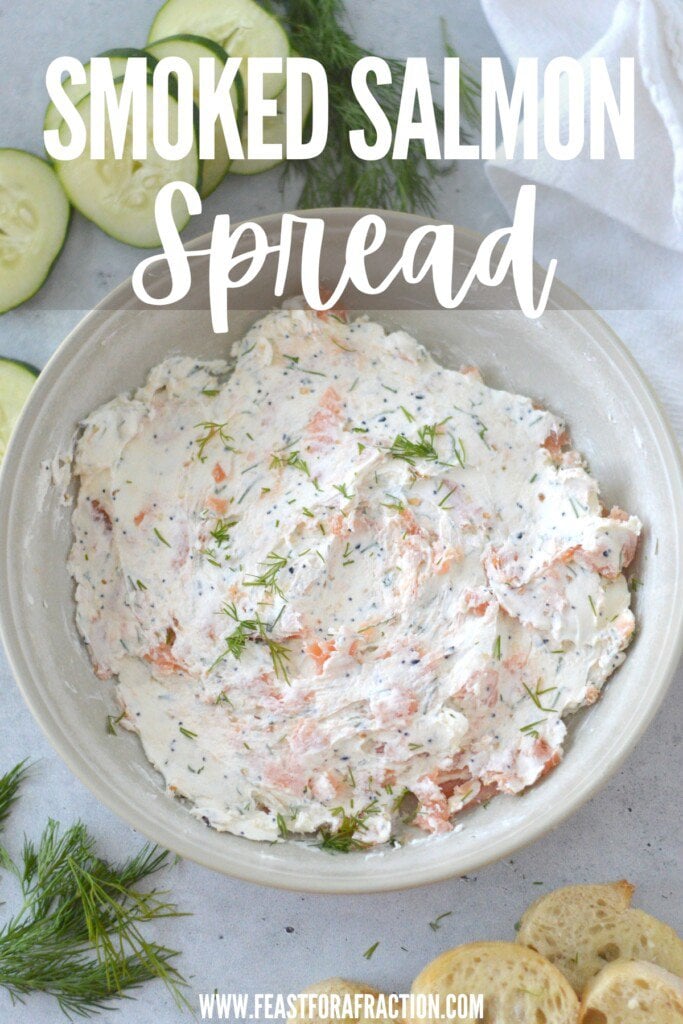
{"points": [[538, 693], [573, 504], [187, 732], [223, 698], [282, 829], [346, 555], [592, 604], [460, 453], [294, 365], [307, 512], [436, 923], [210, 555], [408, 415], [360, 430], [113, 722], [635, 583], [396, 505], [337, 177], [497, 652], [386, 387], [252, 629], [221, 531], [534, 478], [368, 952], [442, 503], [78, 933], [423, 448], [531, 730], [210, 392], [344, 837], [161, 537], [273, 564], [293, 459], [212, 430], [343, 491], [140, 585]]}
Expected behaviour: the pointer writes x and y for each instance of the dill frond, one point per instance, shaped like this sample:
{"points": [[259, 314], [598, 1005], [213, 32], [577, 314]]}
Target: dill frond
{"points": [[78, 934], [9, 788], [423, 448], [211, 431], [345, 837], [273, 564], [338, 177], [253, 629], [293, 459]]}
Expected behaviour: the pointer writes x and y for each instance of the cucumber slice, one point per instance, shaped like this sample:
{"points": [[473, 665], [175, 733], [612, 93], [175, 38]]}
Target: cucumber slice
{"points": [[191, 49], [34, 217], [16, 381], [118, 59], [240, 26], [274, 130], [119, 195]]}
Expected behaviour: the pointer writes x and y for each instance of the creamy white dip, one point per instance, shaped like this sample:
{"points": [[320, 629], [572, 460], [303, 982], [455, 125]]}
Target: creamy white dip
{"points": [[340, 585]]}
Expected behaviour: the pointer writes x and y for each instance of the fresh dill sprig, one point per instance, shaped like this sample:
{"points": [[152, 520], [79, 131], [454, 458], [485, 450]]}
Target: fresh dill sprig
{"points": [[221, 531], [78, 934], [470, 88], [161, 537], [343, 491], [9, 787], [212, 430], [531, 730], [273, 564], [253, 629], [423, 448], [293, 459], [344, 837], [536, 695], [338, 177], [112, 722]]}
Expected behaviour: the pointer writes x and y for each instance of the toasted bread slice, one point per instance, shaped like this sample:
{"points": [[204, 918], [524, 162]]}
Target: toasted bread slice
{"points": [[518, 985], [582, 928], [333, 987], [633, 992]]}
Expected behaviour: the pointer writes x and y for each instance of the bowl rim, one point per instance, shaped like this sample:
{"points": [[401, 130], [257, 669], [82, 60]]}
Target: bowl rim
{"points": [[242, 868]]}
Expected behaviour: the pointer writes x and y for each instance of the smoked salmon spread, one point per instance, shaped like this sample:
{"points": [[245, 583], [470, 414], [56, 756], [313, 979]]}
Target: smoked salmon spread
{"points": [[344, 592]]}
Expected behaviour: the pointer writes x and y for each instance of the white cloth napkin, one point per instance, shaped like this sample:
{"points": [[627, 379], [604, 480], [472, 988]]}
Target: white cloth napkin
{"points": [[647, 193]]}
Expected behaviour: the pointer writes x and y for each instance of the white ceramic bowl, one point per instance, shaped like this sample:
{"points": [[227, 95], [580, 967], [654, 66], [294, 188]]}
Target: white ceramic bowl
{"points": [[569, 360]]}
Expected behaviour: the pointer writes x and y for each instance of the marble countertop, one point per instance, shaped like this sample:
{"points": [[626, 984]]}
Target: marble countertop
{"points": [[242, 937]]}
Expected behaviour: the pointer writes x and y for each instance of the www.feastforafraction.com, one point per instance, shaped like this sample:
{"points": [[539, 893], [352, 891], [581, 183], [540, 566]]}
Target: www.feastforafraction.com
{"points": [[240, 1006]]}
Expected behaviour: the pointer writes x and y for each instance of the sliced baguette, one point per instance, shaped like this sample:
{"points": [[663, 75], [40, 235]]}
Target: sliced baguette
{"points": [[518, 985], [333, 986], [582, 928], [633, 992]]}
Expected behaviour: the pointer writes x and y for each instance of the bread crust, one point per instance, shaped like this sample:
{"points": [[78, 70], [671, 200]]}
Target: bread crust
{"points": [[582, 928], [332, 986], [519, 986], [633, 992]]}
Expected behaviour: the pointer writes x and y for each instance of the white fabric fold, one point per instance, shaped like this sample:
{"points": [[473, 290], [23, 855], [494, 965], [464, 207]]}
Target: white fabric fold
{"points": [[646, 193]]}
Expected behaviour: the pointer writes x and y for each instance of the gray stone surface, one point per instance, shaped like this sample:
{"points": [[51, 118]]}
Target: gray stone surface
{"points": [[246, 938]]}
